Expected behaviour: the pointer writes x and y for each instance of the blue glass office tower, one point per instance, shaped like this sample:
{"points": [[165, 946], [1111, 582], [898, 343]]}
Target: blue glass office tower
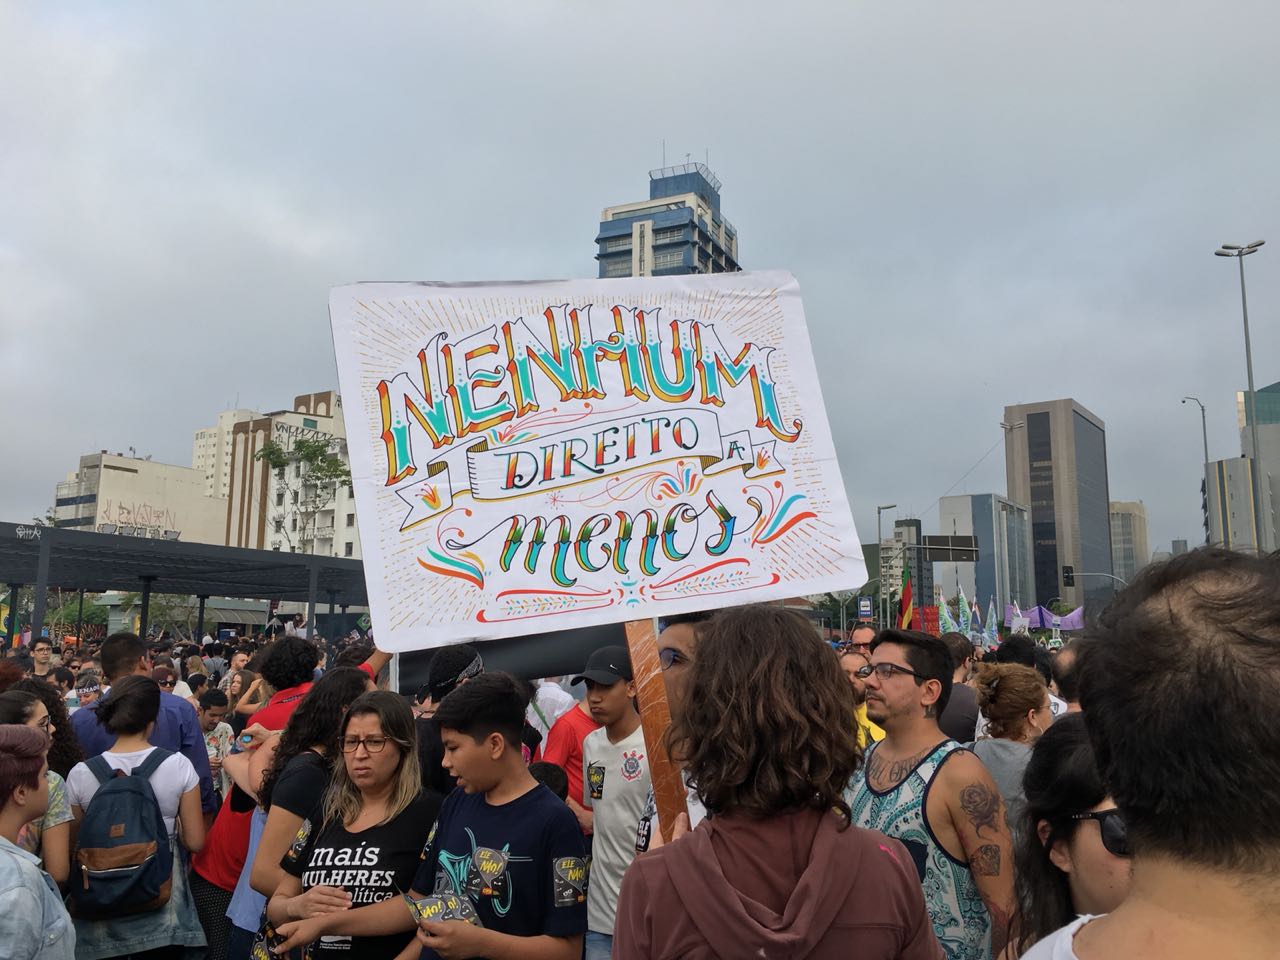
{"points": [[678, 230]]}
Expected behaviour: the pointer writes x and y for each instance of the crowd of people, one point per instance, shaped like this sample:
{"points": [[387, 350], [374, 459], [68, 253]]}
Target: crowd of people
{"points": [[901, 796]]}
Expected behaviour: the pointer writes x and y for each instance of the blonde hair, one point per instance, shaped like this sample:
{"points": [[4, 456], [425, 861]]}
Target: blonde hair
{"points": [[343, 800], [1006, 693]]}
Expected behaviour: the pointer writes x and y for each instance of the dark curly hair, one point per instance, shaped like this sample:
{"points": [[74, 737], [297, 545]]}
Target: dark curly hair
{"points": [[765, 726], [290, 662], [10, 673], [64, 752], [316, 723]]}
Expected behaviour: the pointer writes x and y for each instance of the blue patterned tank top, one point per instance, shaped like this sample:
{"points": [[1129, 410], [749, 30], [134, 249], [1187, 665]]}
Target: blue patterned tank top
{"points": [[959, 916]]}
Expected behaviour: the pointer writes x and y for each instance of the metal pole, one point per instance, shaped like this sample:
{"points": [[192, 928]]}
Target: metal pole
{"points": [[313, 585], [145, 616], [333, 594], [42, 587], [1253, 420], [13, 611], [200, 618], [80, 618], [1204, 430], [880, 563]]}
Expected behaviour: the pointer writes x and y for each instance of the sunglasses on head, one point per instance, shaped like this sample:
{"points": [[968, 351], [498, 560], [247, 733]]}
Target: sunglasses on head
{"points": [[1115, 835]]}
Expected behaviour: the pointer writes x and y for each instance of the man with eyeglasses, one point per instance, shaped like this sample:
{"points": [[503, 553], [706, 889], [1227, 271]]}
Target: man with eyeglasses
{"points": [[860, 638], [41, 658], [924, 789]]}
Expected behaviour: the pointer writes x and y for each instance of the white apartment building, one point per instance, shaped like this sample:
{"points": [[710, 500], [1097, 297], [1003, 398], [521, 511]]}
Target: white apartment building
{"points": [[211, 451]]}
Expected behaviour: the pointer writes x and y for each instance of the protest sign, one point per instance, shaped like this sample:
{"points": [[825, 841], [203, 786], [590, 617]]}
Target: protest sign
{"points": [[533, 456]]}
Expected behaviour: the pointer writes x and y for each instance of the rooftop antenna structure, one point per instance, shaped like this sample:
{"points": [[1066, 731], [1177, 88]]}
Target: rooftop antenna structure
{"points": [[664, 151]]}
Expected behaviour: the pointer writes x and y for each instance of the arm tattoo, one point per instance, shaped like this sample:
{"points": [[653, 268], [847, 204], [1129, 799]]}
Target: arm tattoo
{"points": [[981, 805], [985, 861]]}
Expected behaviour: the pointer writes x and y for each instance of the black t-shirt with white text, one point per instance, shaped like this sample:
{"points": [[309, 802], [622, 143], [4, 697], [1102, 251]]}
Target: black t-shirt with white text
{"points": [[522, 864], [372, 865]]}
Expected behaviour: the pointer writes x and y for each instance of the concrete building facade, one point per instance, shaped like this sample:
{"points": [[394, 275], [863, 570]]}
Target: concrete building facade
{"points": [[211, 450], [133, 496], [1056, 463], [1227, 503], [1004, 568], [678, 230], [279, 510], [1129, 548]]}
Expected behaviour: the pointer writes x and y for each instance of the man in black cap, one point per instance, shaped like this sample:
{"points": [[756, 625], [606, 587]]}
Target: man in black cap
{"points": [[616, 773], [450, 667]]}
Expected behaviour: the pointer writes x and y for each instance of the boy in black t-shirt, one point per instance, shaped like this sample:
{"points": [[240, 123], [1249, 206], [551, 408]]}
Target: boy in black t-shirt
{"points": [[505, 861], [504, 844]]}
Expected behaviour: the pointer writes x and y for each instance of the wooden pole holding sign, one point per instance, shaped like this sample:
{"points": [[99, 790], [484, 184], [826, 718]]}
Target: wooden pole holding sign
{"points": [[655, 718]]}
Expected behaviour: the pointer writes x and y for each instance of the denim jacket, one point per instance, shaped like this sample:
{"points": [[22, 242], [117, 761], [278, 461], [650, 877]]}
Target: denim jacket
{"points": [[33, 921]]}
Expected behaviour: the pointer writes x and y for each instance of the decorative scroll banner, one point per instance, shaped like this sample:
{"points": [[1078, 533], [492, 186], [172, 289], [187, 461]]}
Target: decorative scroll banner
{"points": [[534, 456]]}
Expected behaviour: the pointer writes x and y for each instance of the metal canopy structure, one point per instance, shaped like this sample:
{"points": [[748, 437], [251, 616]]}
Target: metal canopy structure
{"points": [[69, 559]]}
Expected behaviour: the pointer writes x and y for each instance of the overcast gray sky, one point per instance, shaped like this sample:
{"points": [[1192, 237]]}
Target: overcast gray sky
{"points": [[985, 203]]}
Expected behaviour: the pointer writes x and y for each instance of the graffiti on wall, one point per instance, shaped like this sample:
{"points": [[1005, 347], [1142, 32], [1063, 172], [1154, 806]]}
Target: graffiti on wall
{"points": [[138, 520]]}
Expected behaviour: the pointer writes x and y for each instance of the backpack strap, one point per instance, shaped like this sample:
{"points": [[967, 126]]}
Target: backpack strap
{"points": [[99, 767], [149, 766]]}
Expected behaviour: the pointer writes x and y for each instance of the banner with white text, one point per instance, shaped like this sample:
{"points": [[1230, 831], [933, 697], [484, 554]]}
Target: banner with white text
{"points": [[538, 456]]}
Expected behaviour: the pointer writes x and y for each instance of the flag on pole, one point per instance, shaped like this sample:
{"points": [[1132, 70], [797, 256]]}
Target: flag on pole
{"points": [[945, 622], [905, 609], [962, 612], [993, 629]]}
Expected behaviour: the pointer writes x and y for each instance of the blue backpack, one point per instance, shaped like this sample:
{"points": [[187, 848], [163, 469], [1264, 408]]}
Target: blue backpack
{"points": [[124, 863]]}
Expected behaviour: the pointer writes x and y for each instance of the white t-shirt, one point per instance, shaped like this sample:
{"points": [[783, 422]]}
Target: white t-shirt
{"points": [[1057, 945], [615, 782], [171, 780]]}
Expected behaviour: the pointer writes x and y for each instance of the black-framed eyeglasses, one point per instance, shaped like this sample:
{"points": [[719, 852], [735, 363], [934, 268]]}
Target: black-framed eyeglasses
{"points": [[372, 744], [1115, 833], [168, 683], [44, 723], [884, 671], [668, 657]]}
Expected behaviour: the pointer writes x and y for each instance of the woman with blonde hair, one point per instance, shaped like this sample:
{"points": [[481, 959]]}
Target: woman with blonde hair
{"points": [[1015, 701], [376, 816]]}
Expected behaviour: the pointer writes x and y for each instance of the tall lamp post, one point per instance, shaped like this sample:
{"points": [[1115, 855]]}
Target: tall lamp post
{"points": [[879, 550], [1204, 432], [1239, 252]]}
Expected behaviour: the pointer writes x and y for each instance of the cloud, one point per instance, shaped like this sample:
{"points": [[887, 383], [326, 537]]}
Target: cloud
{"points": [[985, 204]]}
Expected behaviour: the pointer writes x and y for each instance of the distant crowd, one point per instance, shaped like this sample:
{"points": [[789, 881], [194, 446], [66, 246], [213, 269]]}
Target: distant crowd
{"points": [[901, 796]]}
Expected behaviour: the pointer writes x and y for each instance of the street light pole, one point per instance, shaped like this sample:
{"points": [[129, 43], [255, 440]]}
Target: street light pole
{"points": [[1239, 252], [1204, 433], [880, 559]]}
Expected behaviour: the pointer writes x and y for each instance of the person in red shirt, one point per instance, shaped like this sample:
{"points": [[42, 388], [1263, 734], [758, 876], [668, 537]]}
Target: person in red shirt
{"points": [[289, 667], [564, 748]]}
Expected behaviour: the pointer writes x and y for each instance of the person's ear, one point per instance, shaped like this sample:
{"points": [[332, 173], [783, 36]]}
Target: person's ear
{"points": [[495, 743], [1059, 854], [932, 690], [631, 689]]}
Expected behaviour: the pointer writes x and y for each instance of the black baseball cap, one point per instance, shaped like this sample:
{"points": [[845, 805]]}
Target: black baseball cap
{"points": [[607, 666]]}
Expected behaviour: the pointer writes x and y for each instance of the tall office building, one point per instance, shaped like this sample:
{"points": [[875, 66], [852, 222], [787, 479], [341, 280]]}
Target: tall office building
{"points": [[1268, 404], [1227, 503], [1003, 570], [1056, 462], [1129, 552], [906, 547], [678, 230]]}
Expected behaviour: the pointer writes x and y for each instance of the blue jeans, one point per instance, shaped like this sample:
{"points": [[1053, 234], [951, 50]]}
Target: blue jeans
{"points": [[597, 946]]}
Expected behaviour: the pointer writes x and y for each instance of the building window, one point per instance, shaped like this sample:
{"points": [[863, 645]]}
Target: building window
{"points": [[351, 519], [348, 550], [279, 525], [297, 469], [668, 236], [293, 524], [668, 258], [295, 498], [279, 498], [617, 243], [618, 268]]}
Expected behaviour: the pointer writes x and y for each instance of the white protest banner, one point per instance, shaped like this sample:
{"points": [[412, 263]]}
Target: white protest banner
{"points": [[534, 456]]}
